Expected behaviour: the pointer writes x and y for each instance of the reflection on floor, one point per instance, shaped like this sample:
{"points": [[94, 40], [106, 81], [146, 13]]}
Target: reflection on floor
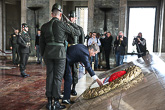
{"points": [[17, 93]]}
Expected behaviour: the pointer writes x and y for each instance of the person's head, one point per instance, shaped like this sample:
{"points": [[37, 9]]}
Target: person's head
{"points": [[93, 49], [39, 32], [98, 35], [25, 27], [108, 34], [94, 34], [121, 33], [57, 11], [16, 31], [90, 34], [72, 16], [140, 34]]}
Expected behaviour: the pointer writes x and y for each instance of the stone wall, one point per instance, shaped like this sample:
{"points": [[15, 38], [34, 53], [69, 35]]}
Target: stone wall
{"points": [[42, 16], [112, 16]]}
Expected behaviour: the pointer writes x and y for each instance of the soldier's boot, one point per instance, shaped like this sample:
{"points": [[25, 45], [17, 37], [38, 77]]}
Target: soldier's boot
{"points": [[57, 105], [73, 91], [49, 104], [23, 74]]}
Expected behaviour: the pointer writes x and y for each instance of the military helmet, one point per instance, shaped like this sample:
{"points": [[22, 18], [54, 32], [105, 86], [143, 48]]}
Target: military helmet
{"points": [[24, 25], [72, 13], [57, 6]]}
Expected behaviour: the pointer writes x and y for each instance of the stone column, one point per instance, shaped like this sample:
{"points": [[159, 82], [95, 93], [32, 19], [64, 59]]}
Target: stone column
{"points": [[123, 16], [161, 29], [90, 15], [23, 11], [1, 39]]}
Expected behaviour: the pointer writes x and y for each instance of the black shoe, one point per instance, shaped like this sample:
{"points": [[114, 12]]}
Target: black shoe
{"points": [[23, 74], [67, 101], [57, 105], [74, 93]]}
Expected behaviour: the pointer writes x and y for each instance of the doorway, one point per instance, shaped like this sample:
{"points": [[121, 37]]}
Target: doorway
{"points": [[141, 20], [82, 18]]}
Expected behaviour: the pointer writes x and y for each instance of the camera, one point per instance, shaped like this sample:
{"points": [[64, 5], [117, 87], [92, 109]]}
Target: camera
{"points": [[120, 36], [136, 39]]}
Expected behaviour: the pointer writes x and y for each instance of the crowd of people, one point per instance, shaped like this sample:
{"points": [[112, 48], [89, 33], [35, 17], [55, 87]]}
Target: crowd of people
{"points": [[61, 45]]}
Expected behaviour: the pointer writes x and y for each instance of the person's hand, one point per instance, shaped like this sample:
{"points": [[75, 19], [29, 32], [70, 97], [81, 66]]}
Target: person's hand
{"points": [[117, 37], [11, 48], [121, 38], [138, 39], [99, 82], [35, 47]]}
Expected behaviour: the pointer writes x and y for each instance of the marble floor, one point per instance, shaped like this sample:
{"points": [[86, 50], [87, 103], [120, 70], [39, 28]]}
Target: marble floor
{"points": [[17, 93]]}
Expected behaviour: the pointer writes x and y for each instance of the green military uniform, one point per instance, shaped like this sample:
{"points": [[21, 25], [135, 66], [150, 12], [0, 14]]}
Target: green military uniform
{"points": [[73, 41], [24, 50], [14, 45], [52, 41]]}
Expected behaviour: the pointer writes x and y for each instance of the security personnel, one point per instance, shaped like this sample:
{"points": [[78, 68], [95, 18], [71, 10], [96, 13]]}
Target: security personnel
{"points": [[78, 53], [73, 41], [14, 47], [24, 48], [52, 46]]}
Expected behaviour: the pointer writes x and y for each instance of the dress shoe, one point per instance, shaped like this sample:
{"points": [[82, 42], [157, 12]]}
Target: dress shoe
{"points": [[67, 101], [57, 105], [23, 74], [74, 93]]}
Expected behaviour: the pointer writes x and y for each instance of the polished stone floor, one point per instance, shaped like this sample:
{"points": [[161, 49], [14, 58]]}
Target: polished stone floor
{"points": [[17, 93]]}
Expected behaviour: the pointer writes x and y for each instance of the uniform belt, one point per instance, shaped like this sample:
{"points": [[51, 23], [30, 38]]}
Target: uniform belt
{"points": [[70, 45], [55, 43]]}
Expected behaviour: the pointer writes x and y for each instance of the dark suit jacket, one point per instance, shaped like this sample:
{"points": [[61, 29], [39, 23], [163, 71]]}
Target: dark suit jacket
{"points": [[55, 31], [79, 53]]}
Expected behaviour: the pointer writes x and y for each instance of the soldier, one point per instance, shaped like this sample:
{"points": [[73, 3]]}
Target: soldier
{"points": [[73, 41], [14, 47], [24, 48], [53, 50]]}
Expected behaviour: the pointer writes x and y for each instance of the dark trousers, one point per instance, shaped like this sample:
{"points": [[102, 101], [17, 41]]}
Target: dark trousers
{"points": [[107, 54], [119, 59], [54, 75], [15, 54], [39, 57], [74, 73], [67, 81], [23, 61]]}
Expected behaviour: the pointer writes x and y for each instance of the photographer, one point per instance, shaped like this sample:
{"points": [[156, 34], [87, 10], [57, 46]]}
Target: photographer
{"points": [[120, 43], [140, 45]]}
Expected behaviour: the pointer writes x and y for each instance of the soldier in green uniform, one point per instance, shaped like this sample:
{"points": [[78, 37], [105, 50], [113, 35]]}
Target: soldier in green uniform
{"points": [[52, 46], [73, 41], [24, 48], [14, 46]]}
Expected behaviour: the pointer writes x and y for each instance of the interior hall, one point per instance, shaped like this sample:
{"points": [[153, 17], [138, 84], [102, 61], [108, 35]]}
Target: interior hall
{"points": [[137, 23]]}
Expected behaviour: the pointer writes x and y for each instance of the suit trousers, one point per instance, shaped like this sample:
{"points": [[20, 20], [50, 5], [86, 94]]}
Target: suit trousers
{"points": [[54, 75], [107, 54], [23, 61]]}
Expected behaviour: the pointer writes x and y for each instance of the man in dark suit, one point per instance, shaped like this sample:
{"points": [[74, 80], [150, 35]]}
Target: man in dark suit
{"points": [[14, 47], [107, 43], [24, 48], [78, 53], [53, 50]]}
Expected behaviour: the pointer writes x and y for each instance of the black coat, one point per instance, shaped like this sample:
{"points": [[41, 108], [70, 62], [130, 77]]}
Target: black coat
{"points": [[55, 31], [107, 43], [120, 46]]}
